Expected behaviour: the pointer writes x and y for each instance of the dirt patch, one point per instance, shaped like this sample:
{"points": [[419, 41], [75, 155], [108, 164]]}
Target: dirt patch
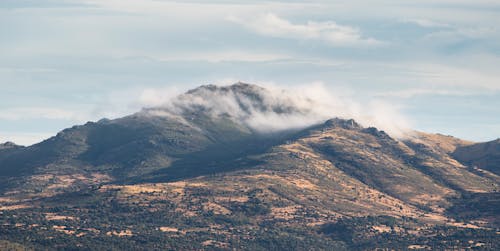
{"points": [[305, 184], [214, 243], [14, 207], [241, 199], [285, 213], [147, 188], [416, 246], [53, 217], [7, 200], [382, 229], [122, 233], [216, 208], [64, 229], [169, 229]]}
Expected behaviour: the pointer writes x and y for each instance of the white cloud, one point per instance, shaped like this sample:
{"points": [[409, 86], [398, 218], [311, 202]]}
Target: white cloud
{"points": [[195, 9], [413, 92], [455, 76], [19, 113], [153, 97], [427, 23], [275, 108], [227, 56], [330, 32]]}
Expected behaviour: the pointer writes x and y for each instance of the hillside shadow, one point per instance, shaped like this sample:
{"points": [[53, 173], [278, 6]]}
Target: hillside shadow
{"points": [[217, 158], [477, 206]]}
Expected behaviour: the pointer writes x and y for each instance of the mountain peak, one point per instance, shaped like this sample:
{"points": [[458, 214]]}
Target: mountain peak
{"points": [[238, 87], [198, 160], [244, 94], [251, 106], [270, 109], [8, 145], [343, 123]]}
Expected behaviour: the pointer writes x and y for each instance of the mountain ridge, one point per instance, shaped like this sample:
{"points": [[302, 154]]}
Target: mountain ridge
{"points": [[163, 173]]}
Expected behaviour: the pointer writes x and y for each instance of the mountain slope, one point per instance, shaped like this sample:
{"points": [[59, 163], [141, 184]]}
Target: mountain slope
{"points": [[205, 171], [483, 155], [136, 145]]}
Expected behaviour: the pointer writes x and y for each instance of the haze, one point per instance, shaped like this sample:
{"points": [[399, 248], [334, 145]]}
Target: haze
{"points": [[433, 63]]}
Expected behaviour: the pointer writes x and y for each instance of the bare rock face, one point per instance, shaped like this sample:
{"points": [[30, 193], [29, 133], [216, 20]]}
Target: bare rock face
{"points": [[346, 124]]}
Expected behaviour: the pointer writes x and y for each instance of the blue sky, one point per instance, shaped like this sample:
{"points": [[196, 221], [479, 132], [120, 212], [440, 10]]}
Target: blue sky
{"points": [[68, 62]]}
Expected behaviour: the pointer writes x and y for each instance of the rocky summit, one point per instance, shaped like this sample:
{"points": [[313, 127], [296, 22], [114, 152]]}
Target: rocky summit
{"points": [[231, 168]]}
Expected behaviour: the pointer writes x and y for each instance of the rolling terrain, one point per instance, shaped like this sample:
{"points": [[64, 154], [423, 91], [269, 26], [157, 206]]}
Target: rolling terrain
{"points": [[194, 175]]}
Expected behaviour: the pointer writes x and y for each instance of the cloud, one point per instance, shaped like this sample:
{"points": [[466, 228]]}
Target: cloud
{"points": [[26, 70], [413, 92], [227, 56], [462, 33], [153, 97], [427, 23], [16, 4], [275, 108], [19, 113], [457, 76], [330, 32]]}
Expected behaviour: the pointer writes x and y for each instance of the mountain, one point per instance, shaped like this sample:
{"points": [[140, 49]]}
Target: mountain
{"points": [[8, 145], [243, 167], [485, 155]]}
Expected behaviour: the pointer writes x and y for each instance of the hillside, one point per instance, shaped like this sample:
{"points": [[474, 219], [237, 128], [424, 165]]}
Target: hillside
{"points": [[482, 155], [202, 173]]}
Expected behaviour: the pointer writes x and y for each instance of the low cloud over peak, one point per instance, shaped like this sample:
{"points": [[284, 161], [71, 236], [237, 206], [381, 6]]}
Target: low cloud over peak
{"points": [[273, 108]]}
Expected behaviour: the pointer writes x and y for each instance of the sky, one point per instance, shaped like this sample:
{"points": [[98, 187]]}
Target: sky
{"points": [[65, 62]]}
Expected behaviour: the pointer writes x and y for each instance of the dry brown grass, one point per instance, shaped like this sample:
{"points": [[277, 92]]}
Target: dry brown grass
{"points": [[169, 229], [54, 217], [285, 213], [63, 229], [216, 208], [439, 141], [122, 233], [14, 207]]}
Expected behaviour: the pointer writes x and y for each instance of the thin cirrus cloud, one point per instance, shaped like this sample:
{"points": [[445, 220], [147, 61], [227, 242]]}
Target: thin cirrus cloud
{"points": [[413, 92], [20, 113], [457, 77], [443, 32], [226, 56], [427, 23], [329, 31]]}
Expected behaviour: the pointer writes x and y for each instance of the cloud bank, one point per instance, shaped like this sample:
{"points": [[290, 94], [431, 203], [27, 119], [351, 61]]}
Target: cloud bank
{"points": [[274, 108]]}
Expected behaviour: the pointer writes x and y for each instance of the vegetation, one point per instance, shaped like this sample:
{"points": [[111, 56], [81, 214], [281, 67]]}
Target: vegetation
{"points": [[148, 182]]}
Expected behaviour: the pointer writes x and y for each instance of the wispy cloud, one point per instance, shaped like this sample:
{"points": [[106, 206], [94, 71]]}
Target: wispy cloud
{"points": [[26, 70], [427, 23], [413, 92], [227, 56], [19, 113], [457, 77], [330, 32], [461, 33]]}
